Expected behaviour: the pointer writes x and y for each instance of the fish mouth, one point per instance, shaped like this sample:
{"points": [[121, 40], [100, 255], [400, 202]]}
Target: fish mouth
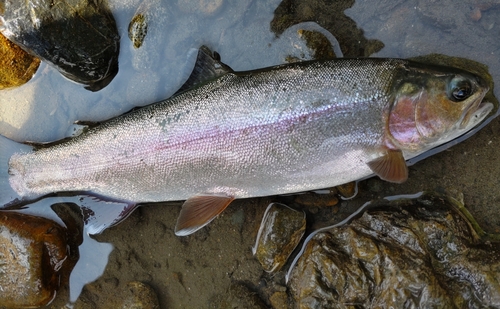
{"points": [[473, 109], [474, 116]]}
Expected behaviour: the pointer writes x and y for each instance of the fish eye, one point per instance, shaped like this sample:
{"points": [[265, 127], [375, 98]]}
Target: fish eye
{"points": [[459, 89]]}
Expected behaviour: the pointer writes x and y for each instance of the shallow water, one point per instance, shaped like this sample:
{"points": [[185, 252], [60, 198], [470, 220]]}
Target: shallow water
{"points": [[189, 272]]}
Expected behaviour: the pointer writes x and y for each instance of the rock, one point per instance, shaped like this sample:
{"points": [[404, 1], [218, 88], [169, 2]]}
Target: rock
{"points": [[318, 43], [417, 253], [32, 253], [311, 199], [16, 66], [279, 300], [347, 190], [138, 26], [78, 37], [137, 29], [280, 232], [329, 15], [140, 296]]}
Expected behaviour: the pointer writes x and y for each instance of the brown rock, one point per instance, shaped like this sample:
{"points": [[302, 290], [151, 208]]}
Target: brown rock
{"points": [[140, 296], [137, 29], [32, 252], [418, 253], [311, 199], [279, 300], [347, 190], [16, 66], [280, 232]]}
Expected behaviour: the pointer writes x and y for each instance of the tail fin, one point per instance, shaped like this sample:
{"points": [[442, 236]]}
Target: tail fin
{"points": [[7, 149]]}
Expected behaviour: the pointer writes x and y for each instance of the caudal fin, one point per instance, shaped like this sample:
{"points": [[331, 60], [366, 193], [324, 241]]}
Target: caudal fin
{"points": [[7, 149]]}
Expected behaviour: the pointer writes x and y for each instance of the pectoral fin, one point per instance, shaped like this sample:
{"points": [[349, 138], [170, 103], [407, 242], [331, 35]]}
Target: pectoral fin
{"points": [[391, 167], [198, 211]]}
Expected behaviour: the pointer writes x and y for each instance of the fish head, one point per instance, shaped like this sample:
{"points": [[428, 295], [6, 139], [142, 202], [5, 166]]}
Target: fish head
{"points": [[432, 106]]}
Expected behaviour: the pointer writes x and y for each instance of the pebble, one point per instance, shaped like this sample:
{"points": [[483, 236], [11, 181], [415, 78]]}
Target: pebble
{"points": [[137, 29], [139, 295], [347, 190], [138, 26], [310, 199], [280, 232]]}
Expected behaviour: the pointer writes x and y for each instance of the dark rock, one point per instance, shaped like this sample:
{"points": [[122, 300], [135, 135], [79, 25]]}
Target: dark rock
{"points": [[418, 253], [78, 37]]}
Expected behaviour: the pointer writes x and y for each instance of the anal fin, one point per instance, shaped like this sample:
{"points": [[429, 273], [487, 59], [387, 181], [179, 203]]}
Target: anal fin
{"points": [[199, 210], [390, 167]]}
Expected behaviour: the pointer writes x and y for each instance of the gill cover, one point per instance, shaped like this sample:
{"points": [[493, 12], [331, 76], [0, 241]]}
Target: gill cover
{"points": [[430, 103]]}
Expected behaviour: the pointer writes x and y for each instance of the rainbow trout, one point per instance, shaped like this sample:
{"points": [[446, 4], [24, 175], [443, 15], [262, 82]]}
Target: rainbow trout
{"points": [[284, 129]]}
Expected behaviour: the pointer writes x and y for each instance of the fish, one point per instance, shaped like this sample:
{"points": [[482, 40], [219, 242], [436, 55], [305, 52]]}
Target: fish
{"points": [[230, 135]]}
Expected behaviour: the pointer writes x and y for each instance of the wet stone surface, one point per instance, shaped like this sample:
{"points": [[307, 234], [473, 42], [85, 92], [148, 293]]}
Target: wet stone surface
{"points": [[33, 251], [321, 47], [137, 30], [79, 37], [16, 66], [138, 26], [280, 232], [418, 253]]}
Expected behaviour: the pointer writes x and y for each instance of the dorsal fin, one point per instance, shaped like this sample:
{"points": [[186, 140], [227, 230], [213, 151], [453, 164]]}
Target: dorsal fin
{"points": [[207, 67]]}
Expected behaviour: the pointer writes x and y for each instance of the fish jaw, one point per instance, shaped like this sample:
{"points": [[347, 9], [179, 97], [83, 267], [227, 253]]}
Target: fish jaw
{"points": [[473, 110]]}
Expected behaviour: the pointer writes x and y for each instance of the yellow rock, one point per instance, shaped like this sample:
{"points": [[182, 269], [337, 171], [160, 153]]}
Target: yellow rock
{"points": [[279, 300], [16, 66]]}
